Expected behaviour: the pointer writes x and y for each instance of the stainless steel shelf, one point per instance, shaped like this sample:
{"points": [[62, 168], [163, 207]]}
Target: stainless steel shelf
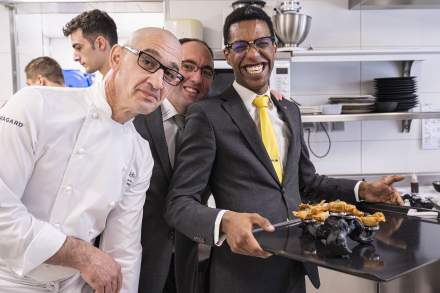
{"points": [[370, 116], [393, 4], [351, 55]]}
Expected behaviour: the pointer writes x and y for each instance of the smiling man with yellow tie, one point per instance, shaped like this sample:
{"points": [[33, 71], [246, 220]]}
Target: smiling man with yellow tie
{"points": [[249, 148]]}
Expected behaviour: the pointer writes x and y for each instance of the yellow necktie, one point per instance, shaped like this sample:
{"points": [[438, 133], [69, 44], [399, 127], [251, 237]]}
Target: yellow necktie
{"points": [[268, 135]]}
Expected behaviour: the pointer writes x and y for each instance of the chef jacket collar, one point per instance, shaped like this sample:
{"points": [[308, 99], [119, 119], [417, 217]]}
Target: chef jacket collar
{"points": [[100, 100]]}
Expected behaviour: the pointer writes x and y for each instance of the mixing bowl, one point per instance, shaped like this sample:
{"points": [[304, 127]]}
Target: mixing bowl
{"points": [[291, 28]]}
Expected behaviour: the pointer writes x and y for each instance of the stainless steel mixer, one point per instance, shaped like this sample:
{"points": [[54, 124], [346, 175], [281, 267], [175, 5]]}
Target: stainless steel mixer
{"points": [[291, 26]]}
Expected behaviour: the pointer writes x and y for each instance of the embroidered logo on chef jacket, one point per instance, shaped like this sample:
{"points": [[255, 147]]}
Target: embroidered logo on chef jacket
{"points": [[11, 121], [131, 177]]}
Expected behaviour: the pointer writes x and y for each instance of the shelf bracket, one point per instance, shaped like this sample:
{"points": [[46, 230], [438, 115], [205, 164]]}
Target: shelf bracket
{"points": [[406, 125], [407, 67]]}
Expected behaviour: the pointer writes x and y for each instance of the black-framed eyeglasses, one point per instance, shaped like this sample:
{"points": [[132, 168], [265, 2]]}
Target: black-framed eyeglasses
{"points": [[151, 64], [241, 46], [206, 71]]}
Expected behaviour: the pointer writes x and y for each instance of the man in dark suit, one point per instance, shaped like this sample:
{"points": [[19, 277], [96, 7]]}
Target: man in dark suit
{"points": [[160, 269], [249, 149]]}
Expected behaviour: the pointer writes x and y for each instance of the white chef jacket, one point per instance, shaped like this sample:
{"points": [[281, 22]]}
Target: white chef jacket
{"points": [[67, 168]]}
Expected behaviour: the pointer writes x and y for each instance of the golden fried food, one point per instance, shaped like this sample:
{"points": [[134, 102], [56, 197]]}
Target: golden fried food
{"points": [[373, 220], [351, 209], [302, 214], [322, 206], [304, 206], [320, 212], [321, 217], [337, 206]]}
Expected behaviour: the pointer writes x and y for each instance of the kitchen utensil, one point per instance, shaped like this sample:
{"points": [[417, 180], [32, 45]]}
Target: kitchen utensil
{"points": [[386, 106], [436, 185], [291, 28], [243, 3], [185, 28], [288, 223], [290, 6]]}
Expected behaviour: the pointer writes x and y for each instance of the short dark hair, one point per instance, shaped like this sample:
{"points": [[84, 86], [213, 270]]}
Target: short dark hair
{"points": [[248, 12], [47, 67], [93, 23], [187, 40]]}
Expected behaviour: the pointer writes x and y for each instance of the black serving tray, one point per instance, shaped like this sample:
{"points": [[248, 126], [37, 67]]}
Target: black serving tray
{"points": [[402, 245]]}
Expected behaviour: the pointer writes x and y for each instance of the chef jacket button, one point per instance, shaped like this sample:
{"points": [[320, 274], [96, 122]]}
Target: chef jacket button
{"points": [[68, 189], [171, 235], [112, 204], [95, 115], [80, 151]]}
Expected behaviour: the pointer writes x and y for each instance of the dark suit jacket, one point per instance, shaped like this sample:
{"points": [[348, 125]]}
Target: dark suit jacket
{"points": [[158, 239], [222, 147]]}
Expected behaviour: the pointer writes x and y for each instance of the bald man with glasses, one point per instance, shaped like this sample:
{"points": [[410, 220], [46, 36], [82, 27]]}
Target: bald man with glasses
{"points": [[77, 168]]}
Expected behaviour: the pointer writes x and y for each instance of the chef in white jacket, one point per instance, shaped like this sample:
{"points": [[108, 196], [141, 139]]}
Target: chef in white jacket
{"points": [[73, 167]]}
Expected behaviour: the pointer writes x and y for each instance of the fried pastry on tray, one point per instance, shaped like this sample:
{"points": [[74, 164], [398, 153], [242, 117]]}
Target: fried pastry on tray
{"points": [[351, 209], [320, 212], [320, 217], [302, 214], [337, 206], [373, 220]]}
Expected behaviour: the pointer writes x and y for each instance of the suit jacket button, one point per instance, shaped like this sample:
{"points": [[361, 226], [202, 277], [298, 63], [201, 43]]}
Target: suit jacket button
{"points": [[171, 235]]}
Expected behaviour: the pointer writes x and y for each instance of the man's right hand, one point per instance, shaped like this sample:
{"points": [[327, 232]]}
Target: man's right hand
{"points": [[101, 272], [98, 269], [238, 229]]}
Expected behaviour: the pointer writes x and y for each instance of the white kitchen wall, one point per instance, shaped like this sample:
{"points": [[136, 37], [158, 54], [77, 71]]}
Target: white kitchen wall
{"points": [[363, 147], [5, 56]]}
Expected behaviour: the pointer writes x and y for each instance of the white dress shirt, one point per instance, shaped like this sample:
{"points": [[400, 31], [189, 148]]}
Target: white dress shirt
{"points": [[170, 127], [282, 134], [68, 169]]}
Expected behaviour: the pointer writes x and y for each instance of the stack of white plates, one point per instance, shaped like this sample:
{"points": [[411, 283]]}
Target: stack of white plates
{"points": [[355, 104]]}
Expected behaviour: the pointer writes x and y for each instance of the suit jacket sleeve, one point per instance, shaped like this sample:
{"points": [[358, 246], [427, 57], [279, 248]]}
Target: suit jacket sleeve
{"points": [[315, 187], [185, 211]]}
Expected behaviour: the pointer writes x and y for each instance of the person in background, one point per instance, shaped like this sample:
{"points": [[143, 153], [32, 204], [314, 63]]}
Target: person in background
{"points": [[77, 168], [161, 268], [44, 71], [249, 149], [92, 34]]}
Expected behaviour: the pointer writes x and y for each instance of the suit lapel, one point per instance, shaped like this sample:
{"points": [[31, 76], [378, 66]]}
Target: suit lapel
{"points": [[235, 108], [154, 124], [287, 115]]}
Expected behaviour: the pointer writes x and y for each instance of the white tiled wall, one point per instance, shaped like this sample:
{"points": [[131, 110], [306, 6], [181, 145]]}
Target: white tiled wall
{"points": [[363, 147], [5, 56], [368, 146]]}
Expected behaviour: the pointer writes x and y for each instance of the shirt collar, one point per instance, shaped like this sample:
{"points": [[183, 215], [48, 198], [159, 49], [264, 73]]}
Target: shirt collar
{"points": [[247, 95], [168, 110], [100, 99]]}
